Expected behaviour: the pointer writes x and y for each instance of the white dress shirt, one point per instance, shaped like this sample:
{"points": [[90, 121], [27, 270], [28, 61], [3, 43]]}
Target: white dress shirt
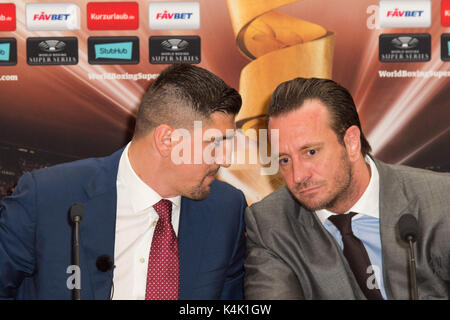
{"points": [[368, 204], [135, 223], [365, 224]]}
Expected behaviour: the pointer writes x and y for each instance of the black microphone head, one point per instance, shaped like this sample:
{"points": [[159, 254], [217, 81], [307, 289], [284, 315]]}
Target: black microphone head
{"points": [[104, 263], [408, 227], [76, 212]]}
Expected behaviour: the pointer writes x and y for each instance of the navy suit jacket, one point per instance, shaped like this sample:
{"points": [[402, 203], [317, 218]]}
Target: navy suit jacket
{"points": [[36, 235]]}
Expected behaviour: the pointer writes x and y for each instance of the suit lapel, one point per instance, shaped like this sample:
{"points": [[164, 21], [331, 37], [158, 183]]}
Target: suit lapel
{"points": [[323, 256], [393, 204], [195, 221], [97, 230]]}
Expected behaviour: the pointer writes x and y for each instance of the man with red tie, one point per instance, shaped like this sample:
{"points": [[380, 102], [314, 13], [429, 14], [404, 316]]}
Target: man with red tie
{"points": [[172, 229]]}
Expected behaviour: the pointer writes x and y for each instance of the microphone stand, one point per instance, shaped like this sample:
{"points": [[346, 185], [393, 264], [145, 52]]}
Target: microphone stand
{"points": [[77, 291], [412, 268]]}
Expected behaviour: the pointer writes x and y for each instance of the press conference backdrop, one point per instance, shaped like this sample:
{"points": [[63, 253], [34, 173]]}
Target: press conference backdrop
{"points": [[72, 73]]}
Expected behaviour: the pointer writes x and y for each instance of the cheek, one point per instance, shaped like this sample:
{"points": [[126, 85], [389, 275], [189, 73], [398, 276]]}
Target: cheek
{"points": [[324, 166], [195, 173], [286, 173]]}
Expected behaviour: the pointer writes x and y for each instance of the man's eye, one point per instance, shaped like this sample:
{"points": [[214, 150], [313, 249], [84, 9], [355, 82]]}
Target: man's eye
{"points": [[312, 152], [284, 160]]}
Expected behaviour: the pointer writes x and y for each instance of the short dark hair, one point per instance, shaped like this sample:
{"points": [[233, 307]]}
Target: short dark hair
{"points": [[184, 92], [291, 95]]}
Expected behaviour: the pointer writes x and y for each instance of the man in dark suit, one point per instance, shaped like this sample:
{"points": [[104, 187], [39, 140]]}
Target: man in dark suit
{"points": [[332, 231], [154, 207]]}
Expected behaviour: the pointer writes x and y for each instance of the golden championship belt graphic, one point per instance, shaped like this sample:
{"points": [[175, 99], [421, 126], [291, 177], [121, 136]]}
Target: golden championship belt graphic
{"points": [[280, 48]]}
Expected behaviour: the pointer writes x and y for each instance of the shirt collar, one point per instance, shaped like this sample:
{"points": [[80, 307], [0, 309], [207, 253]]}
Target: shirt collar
{"points": [[368, 204], [140, 194]]}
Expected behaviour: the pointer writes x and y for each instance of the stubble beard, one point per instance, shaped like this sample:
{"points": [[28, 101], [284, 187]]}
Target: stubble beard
{"points": [[201, 191], [341, 192]]}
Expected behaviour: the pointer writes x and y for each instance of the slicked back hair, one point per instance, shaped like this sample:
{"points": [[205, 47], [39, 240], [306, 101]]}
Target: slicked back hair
{"points": [[291, 95], [181, 94]]}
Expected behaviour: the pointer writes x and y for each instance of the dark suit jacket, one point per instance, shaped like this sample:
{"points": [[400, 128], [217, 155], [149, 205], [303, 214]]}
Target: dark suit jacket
{"points": [[36, 235], [290, 255]]}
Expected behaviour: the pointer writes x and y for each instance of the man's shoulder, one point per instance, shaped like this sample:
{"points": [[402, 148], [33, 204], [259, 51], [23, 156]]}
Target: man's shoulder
{"points": [[276, 199], [227, 202], [408, 174], [422, 184], [226, 197], [273, 211], [222, 189], [60, 178], [87, 166]]}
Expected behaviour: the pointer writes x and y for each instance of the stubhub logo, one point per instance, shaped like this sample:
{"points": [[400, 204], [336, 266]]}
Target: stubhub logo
{"points": [[8, 51], [405, 14], [118, 50], [174, 15], [52, 16], [113, 50], [4, 51]]}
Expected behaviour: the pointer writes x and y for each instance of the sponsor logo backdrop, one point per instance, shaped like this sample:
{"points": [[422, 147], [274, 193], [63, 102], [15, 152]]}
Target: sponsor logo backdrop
{"points": [[72, 74]]}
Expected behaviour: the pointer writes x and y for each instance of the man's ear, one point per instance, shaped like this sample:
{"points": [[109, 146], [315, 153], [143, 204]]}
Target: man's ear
{"points": [[162, 137], [352, 140]]}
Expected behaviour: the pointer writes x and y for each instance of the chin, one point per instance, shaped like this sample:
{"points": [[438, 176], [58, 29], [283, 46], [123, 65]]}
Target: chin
{"points": [[199, 194], [312, 205]]}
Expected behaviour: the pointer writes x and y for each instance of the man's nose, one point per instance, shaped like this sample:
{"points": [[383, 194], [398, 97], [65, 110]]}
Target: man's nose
{"points": [[223, 156], [300, 172], [223, 160]]}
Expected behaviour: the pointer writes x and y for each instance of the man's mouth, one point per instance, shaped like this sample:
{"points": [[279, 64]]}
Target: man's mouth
{"points": [[308, 190]]}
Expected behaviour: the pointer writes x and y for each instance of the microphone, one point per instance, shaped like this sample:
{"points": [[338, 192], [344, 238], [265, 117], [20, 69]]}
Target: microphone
{"points": [[76, 213], [408, 228], [105, 263]]}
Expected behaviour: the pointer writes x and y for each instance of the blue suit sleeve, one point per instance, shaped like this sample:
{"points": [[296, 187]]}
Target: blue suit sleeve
{"points": [[17, 225], [234, 284]]}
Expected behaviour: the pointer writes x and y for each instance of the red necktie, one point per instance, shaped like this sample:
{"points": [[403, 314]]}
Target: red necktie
{"points": [[163, 270]]}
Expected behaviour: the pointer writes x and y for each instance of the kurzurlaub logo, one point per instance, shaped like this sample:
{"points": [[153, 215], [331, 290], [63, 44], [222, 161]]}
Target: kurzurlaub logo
{"points": [[112, 15], [174, 15], [405, 13], [52, 16], [445, 13], [113, 50], [7, 17]]}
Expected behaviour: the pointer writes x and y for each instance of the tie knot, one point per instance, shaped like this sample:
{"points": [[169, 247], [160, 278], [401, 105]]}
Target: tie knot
{"points": [[164, 209], [343, 222]]}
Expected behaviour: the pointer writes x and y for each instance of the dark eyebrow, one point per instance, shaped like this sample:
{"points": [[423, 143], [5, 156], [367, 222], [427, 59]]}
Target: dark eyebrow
{"points": [[306, 146], [220, 138], [280, 155], [311, 145]]}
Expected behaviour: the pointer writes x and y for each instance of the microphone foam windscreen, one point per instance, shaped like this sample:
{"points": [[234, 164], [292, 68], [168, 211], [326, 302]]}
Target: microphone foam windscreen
{"points": [[408, 227], [77, 210], [104, 263]]}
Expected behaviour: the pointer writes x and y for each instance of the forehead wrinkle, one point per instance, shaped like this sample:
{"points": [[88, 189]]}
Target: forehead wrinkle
{"points": [[302, 128]]}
